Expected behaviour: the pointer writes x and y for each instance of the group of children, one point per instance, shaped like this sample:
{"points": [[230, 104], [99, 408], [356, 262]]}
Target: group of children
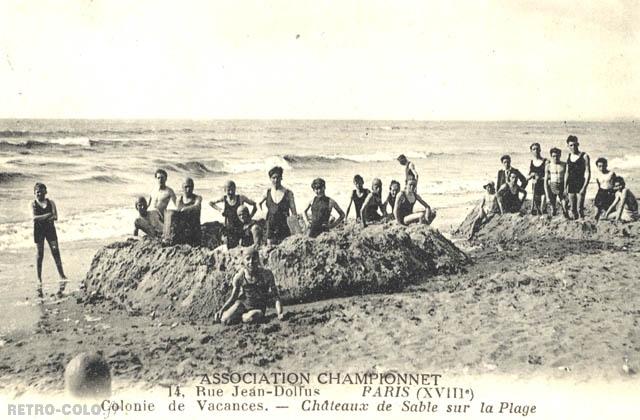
{"points": [[556, 183]]}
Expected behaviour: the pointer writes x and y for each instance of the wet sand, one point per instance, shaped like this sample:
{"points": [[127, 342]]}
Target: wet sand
{"points": [[552, 309]]}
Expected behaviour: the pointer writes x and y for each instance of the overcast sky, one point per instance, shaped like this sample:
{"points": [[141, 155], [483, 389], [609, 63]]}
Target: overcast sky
{"points": [[427, 60]]}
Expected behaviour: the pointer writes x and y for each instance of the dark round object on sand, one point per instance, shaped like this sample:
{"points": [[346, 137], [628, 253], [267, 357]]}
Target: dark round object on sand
{"points": [[88, 375]]}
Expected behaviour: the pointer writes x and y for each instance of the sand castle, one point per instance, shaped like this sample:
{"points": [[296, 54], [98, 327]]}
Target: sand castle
{"points": [[193, 282]]}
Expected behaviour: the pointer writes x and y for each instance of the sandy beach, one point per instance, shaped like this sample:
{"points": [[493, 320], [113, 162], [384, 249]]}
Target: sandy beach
{"points": [[555, 308]]}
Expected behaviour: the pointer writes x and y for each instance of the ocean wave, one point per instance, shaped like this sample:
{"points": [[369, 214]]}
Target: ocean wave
{"points": [[6, 177], [193, 167], [310, 160], [625, 162], [48, 142], [104, 179]]}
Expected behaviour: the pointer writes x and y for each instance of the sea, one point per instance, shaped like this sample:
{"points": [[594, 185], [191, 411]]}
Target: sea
{"points": [[94, 169]]}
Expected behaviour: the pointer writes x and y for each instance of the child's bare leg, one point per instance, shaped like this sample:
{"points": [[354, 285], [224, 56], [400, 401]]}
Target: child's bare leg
{"points": [[55, 251], [573, 202], [252, 316], [39, 258], [415, 217], [233, 314]]}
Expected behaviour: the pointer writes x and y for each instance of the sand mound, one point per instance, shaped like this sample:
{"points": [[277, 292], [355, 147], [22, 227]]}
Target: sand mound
{"points": [[523, 227], [194, 281]]}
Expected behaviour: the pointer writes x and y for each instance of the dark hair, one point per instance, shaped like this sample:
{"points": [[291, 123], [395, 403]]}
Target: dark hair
{"points": [[358, 179], [507, 157], [162, 172], [140, 199], [318, 183], [619, 180], [39, 186], [535, 144], [402, 157], [603, 160], [376, 181], [275, 170], [394, 182], [572, 138], [555, 150], [229, 183]]}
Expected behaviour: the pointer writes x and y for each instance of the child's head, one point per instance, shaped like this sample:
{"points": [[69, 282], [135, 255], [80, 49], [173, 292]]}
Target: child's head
{"points": [[394, 187], [141, 205], [275, 174], [602, 163], [535, 148], [187, 186], [243, 214], [490, 187], [40, 190], [358, 181], [161, 176], [230, 188], [555, 154], [376, 186], [506, 161], [412, 184], [572, 143], [513, 177], [618, 183], [318, 185], [402, 159], [250, 258]]}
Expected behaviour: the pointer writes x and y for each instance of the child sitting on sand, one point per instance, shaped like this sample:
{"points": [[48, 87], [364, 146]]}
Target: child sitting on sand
{"points": [[44, 214], [357, 197], [554, 182], [233, 225], [606, 193], [372, 203], [509, 200], [253, 287], [321, 207], [149, 221], [405, 201], [488, 207], [394, 189], [624, 204]]}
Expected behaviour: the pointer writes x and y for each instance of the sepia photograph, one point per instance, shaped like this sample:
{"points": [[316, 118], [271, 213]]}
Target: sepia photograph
{"points": [[319, 209]]}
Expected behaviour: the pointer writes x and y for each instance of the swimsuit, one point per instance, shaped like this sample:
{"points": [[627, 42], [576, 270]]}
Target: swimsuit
{"points": [[320, 214], [44, 229], [575, 177], [247, 235], [538, 187], [510, 201], [359, 201], [370, 213], [256, 294], [232, 222], [277, 227], [405, 207], [606, 194], [192, 230]]}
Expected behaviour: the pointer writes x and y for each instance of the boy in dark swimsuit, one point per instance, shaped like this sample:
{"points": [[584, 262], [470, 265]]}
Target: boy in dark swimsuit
{"points": [[536, 174], [321, 207], [403, 210], [357, 197], [253, 287], [577, 177], [372, 203], [190, 204], [509, 195], [44, 213], [280, 204], [394, 189], [232, 201], [251, 232], [409, 168]]}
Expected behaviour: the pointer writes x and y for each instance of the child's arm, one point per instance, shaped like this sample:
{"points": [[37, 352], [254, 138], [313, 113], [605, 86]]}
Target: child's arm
{"points": [[612, 207], [306, 214], [499, 195], [173, 196], [237, 285], [54, 211], [195, 206], [547, 172], [213, 204], [341, 215], [349, 207], [421, 201], [292, 203], [396, 208], [250, 202], [364, 206], [623, 199], [262, 201]]}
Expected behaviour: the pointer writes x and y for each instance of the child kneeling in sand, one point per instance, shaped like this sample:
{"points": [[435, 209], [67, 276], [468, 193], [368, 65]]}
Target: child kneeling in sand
{"points": [[488, 207], [149, 221], [253, 285], [625, 204]]}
